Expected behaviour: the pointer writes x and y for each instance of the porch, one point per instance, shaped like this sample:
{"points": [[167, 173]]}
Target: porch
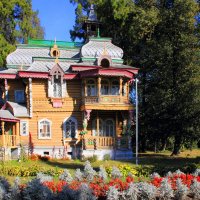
{"points": [[9, 130]]}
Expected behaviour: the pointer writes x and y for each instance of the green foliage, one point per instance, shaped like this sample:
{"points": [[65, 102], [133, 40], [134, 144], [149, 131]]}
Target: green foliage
{"points": [[161, 38], [106, 157], [17, 22]]}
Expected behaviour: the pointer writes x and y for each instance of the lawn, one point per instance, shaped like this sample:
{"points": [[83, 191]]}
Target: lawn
{"points": [[160, 162]]}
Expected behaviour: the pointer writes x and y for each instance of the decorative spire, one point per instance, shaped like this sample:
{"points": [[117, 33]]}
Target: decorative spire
{"points": [[105, 52], [92, 15]]}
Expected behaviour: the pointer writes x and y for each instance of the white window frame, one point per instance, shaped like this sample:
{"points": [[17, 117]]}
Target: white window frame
{"points": [[51, 89], [113, 88], [104, 128], [94, 91], [64, 127], [39, 133], [22, 122], [94, 128], [23, 97], [103, 85]]}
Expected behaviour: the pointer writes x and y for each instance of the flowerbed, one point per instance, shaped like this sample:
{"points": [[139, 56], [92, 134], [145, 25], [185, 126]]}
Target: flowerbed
{"points": [[90, 185]]}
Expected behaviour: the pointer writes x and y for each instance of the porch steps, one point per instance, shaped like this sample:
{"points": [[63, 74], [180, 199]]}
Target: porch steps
{"points": [[124, 154]]}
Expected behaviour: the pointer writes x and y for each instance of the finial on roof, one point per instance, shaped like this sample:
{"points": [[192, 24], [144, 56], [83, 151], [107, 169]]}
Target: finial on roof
{"points": [[55, 40], [56, 60], [92, 15], [105, 52]]}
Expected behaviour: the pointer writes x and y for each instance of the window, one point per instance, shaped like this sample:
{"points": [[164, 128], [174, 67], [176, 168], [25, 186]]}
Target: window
{"points": [[57, 86], [105, 63], [44, 129], [104, 87], [115, 88], [94, 127], [23, 128], [91, 88], [19, 96], [109, 128], [70, 128]]}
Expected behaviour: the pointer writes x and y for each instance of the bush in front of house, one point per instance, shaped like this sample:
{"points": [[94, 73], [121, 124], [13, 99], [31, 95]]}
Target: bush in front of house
{"points": [[90, 185]]}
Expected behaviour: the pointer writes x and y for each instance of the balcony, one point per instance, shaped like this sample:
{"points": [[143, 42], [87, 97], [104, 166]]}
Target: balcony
{"points": [[107, 102], [99, 142], [106, 94]]}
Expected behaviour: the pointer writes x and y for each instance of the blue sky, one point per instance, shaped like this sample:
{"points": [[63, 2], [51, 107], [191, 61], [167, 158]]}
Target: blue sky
{"points": [[57, 17]]}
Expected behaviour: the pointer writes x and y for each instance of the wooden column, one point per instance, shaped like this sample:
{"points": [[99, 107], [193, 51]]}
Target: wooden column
{"points": [[99, 87], [3, 133], [116, 125], [120, 88], [128, 91], [17, 133], [97, 123], [85, 88], [30, 98], [6, 89]]}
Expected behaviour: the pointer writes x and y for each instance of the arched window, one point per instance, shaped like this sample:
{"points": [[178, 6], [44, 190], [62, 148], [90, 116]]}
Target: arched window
{"points": [[115, 88], [109, 128], [105, 63], [44, 127], [91, 88], [104, 87], [94, 127], [70, 127]]}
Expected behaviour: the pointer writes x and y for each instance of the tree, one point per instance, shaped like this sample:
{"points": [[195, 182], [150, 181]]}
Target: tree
{"points": [[161, 38], [17, 22]]}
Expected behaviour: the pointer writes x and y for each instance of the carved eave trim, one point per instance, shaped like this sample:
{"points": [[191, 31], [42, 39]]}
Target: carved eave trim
{"points": [[107, 72], [8, 76], [71, 76], [9, 120], [26, 74], [77, 68]]}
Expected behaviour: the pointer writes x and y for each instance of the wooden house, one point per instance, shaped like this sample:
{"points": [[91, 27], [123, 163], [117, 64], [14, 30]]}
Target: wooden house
{"points": [[66, 99]]}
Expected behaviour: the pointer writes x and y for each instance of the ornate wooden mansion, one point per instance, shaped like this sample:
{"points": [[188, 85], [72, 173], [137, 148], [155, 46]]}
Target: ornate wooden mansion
{"points": [[66, 98]]}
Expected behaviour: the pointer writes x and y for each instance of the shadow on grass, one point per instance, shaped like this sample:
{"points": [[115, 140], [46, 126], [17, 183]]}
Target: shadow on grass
{"points": [[154, 160], [65, 164]]}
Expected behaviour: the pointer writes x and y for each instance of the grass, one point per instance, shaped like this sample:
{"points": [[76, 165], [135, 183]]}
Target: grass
{"points": [[161, 160]]}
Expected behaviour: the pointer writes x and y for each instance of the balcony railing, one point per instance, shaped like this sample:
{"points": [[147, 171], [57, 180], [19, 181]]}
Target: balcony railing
{"points": [[99, 142], [8, 140], [105, 99]]}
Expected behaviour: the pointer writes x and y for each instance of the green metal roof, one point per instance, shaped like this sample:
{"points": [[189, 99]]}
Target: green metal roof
{"points": [[50, 43]]}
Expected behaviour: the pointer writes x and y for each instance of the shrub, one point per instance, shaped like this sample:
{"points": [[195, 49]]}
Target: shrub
{"points": [[37, 191], [181, 190], [113, 193], [85, 193], [89, 172], [43, 177], [44, 158], [106, 157], [78, 175], [102, 173], [132, 192], [195, 189], [66, 176], [146, 190], [165, 190], [116, 173]]}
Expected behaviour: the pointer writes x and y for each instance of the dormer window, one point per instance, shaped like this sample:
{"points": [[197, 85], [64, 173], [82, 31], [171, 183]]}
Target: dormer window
{"points": [[56, 84]]}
